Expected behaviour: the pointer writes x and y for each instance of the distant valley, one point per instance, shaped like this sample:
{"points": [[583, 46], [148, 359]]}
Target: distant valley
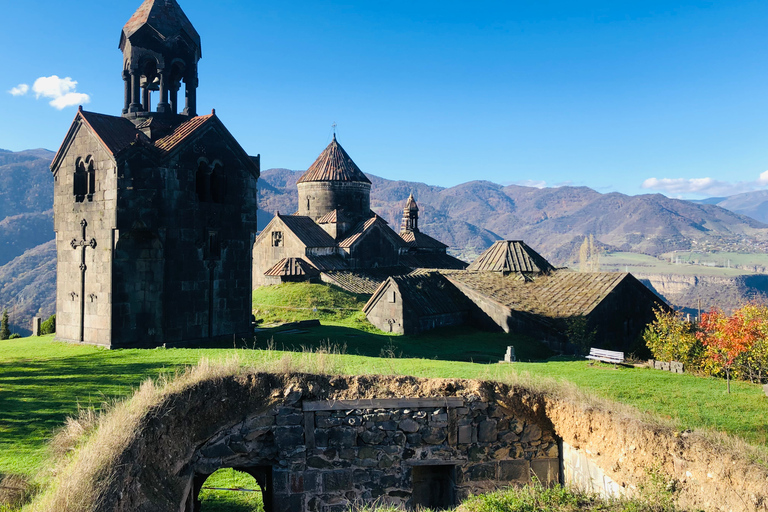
{"points": [[468, 217]]}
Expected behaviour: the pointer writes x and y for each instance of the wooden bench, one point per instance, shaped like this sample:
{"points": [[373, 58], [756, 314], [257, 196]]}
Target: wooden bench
{"points": [[606, 356]]}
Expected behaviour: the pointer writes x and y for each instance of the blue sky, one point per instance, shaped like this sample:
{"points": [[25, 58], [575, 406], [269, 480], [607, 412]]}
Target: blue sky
{"points": [[631, 96]]}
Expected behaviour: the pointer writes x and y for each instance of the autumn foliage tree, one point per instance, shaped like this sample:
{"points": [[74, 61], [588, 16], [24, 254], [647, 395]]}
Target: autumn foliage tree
{"points": [[728, 337]]}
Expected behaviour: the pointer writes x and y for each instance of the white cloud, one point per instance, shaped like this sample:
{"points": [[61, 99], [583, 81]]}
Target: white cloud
{"points": [[531, 183], [19, 90], [71, 99], [62, 91], [704, 186]]}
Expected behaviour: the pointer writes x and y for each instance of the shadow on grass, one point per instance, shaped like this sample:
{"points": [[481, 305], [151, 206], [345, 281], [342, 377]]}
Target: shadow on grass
{"points": [[463, 344]]}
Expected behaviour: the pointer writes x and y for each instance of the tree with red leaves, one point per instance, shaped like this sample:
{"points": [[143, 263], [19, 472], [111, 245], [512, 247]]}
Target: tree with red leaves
{"points": [[727, 337]]}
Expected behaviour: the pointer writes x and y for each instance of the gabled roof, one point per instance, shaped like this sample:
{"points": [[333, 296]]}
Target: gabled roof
{"points": [[357, 233], [328, 262], [432, 260], [560, 294], [305, 229], [334, 216], [511, 256], [424, 295], [117, 134], [288, 267], [334, 164], [181, 133], [417, 239], [363, 281], [165, 17]]}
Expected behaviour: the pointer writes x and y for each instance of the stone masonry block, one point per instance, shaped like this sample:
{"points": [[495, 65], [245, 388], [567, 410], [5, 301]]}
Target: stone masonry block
{"points": [[546, 470]]}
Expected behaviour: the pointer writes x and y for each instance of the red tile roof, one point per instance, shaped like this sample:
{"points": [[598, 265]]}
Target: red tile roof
{"points": [[181, 132], [334, 164]]}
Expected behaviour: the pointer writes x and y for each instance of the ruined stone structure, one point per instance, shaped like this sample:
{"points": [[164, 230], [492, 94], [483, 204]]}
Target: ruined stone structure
{"points": [[336, 231], [155, 210]]}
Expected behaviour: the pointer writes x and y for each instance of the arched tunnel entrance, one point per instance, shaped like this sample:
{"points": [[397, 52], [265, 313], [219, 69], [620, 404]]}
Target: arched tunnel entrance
{"points": [[413, 452], [244, 489]]}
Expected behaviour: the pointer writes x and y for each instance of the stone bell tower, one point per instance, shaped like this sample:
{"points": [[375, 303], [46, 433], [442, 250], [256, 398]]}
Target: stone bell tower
{"points": [[155, 209], [161, 50]]}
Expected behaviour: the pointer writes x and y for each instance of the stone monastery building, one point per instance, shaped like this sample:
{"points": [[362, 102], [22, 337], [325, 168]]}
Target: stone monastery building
{"points": [[335, 230], [154, 210]]}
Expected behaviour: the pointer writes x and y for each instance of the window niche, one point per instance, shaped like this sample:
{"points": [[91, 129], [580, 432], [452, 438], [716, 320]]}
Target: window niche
{"points": [[80, 181], [277, 239]]}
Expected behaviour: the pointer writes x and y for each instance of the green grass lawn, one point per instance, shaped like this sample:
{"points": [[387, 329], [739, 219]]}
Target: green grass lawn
{"points": [[42, 381]]}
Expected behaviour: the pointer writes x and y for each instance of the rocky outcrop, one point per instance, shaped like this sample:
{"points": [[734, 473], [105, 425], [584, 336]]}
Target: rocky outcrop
{"points": [[695, 292]]}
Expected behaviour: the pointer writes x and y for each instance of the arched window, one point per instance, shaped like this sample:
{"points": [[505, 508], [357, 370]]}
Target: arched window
{"points": [[80, 181], [91, 174], [218, 184], [203, 182]]}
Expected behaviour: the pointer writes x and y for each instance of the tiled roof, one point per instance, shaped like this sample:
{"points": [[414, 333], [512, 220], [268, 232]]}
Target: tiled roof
{"points": [[305, 229], [425, 295], [117, 133], [560, 294], [358, 231], [333, 217], [329, 262], [292, 267], [181, 132], [363, 281], [434, 260], [165, 17], [511, 256], [420, 240], [334, 164]]}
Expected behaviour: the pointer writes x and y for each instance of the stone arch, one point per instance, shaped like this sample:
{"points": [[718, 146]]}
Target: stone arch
{"points": [[325, 439], [80, 181]]}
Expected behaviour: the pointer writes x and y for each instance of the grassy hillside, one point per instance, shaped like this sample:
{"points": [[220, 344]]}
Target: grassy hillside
{"points": [[344, 327]]}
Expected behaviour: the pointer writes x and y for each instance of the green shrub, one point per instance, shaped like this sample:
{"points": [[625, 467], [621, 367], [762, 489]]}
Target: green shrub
{"points": [[49, 326], [14, 336], [671, 338], [5, 331]]}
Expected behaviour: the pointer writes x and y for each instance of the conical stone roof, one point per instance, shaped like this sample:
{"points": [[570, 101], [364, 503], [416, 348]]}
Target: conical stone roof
{"points": [[165, 17], [334, 164]]}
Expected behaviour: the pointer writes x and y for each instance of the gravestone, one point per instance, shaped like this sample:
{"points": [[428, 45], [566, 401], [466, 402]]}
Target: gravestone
{"points": [[765, 388], [509, 357]]}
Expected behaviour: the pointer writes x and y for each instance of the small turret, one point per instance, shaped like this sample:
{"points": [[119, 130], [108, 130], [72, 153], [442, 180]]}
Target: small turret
{"points": [[410, 216]]}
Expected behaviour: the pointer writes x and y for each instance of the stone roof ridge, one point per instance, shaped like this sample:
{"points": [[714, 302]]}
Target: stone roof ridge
{"points": [[511, 256], [165, 17], [334, 164]]}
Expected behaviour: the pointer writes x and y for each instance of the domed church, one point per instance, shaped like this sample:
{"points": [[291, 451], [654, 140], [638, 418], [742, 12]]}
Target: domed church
{"points": [[336, 234]]}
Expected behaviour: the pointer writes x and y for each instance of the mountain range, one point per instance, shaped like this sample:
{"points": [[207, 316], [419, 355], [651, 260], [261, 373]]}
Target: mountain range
{"points": [[468, 217]]}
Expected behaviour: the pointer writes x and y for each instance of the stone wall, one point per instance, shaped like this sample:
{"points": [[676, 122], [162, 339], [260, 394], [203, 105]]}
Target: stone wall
{"points": [[328, 455], [100, 214]]}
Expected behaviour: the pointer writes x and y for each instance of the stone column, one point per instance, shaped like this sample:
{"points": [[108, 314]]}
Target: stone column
{"points": [[190, 108], [145, 97], [127, 100], [175, 98], [162, 104], [135, 105]]}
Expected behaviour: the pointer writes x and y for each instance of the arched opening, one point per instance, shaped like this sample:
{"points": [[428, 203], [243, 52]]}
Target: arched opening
{"points": [[218, 183], [150, 81], [234, 490], [176, 76], [203, 182], [91, 172], [80, 182]]}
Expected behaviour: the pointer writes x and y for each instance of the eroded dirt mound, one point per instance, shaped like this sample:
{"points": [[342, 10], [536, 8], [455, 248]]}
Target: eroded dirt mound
{"points": [[139, 465]]}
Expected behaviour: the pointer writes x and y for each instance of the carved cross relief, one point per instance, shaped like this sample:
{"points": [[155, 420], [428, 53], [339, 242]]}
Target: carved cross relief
{"points": [[82, 244]]}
